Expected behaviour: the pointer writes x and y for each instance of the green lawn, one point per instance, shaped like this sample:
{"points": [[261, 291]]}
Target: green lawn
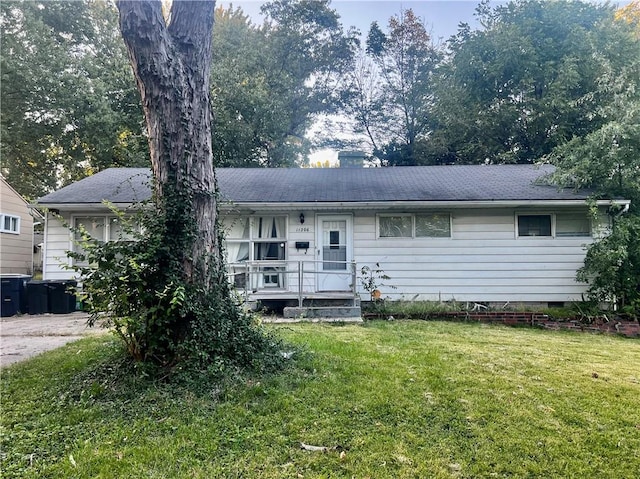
{"points": [[392, 400]]}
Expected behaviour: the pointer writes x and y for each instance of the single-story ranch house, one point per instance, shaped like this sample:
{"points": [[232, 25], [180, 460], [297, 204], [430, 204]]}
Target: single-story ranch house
{"points": [[480, 233]]}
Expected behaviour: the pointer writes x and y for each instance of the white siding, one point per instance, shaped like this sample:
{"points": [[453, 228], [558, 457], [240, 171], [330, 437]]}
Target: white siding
{"points": [[482, 261], [57, 242]]}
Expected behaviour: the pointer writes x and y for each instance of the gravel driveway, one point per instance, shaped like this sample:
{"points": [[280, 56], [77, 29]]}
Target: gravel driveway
{"points": [[23, 337]]}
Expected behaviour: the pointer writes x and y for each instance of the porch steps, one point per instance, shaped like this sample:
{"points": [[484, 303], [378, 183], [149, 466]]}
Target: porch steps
{"points": [[313, 312]]}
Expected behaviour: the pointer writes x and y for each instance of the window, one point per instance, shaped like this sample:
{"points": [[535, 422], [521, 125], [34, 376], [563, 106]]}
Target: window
{"points": [[259, 238], [334, 247], [119, 231], [435, 225], [101, 228], [269, 233], [9, 224], [560, 225], [237, 241], [571, 225], [396, 226], [94, 226], [534, 225]]}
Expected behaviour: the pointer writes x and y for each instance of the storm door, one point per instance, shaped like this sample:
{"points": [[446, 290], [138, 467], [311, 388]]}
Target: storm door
{"points": [[335, 252]]}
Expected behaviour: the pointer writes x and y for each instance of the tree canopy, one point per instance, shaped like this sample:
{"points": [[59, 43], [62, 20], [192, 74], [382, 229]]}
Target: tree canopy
{"points": [[69, 105], [390, 95], [527, 81], [271, 81]]}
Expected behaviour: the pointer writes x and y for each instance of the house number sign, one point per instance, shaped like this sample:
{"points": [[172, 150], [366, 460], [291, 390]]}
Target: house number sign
{"points": [[303, 229]]}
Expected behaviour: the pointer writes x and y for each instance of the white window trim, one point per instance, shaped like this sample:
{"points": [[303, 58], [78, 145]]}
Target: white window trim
{"points": [[413, 226], [10, 231]]}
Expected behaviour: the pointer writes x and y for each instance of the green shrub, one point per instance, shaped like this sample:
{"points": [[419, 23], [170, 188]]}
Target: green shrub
{"points": [[612, 266], [135, 285]]}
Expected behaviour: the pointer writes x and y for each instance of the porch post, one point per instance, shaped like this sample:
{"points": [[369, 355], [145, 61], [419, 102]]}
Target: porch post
{"points": [[300, 282], [354, 288]]}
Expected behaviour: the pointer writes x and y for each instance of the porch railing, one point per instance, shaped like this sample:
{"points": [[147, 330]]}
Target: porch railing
{"points": [[299, 278]]}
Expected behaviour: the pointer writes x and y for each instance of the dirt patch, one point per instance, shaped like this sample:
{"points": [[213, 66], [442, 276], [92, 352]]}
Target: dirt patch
{"points": [[23, 337]]}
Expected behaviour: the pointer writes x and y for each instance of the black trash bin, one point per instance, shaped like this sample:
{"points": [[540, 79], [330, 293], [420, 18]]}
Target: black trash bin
{"points": [[13, 294], [38, 297], [62, 296]]}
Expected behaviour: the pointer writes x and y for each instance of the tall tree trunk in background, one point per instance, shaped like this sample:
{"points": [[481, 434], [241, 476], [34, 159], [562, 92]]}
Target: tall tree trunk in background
{"points": [[171, 61]]}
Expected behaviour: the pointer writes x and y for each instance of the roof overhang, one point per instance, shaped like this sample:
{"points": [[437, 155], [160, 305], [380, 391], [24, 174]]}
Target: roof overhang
{"points": [[398, 205], [74, 207], [337, 205]]}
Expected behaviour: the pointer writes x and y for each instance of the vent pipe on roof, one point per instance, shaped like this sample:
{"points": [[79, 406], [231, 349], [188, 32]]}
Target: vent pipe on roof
{"points": [[351, 159]]}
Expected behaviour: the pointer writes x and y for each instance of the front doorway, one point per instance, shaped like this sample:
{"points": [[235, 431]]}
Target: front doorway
{"points": [[335, 252]]}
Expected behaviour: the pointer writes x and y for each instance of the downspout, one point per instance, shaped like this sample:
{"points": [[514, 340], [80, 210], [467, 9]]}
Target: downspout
{"points": [[45, 244], [35, 214], [622, 211]]}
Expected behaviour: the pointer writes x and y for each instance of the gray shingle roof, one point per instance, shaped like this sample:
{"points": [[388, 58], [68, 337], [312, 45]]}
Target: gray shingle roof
{"points": [[298, 185]]}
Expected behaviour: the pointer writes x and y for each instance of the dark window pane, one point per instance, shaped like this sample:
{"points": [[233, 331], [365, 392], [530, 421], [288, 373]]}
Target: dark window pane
{"points": [[534, 225]]}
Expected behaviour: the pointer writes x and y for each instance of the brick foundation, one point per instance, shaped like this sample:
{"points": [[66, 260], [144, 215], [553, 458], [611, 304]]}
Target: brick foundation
{"points": [[629, 328]]}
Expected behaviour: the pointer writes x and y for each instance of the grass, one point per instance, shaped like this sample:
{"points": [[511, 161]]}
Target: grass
{"points": [[391, 400]]}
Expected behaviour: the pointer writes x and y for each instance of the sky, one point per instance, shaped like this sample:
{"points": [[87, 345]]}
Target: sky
{"points": [[440, 16]]}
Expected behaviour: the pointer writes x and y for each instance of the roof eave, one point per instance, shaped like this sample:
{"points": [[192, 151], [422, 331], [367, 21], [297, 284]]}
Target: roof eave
{"points": [[81, 206], [311, 205], [345, 205]]}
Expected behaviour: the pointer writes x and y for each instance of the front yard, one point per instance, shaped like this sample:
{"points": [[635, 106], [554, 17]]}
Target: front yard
{"points": [[388, 400]]}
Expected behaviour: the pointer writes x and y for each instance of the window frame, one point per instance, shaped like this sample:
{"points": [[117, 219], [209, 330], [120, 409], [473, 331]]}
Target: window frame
{"points": [[551, 224], [106, 231], [554, 227], [18, 223], [396, 215], [413, 217], [253, 239], [571, 235]]}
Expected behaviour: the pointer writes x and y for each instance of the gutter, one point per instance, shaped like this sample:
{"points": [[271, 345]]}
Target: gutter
{"points": [[337, 205], [346, 205], [81, 206]]}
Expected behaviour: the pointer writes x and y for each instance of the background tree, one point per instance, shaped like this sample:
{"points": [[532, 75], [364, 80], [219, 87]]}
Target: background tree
{"points": [[240, 95], [271, 82], [526, 82], [607, 160], [69, 105], [390, 95]]}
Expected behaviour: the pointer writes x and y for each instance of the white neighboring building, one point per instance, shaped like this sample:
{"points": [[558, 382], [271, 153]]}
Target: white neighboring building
{"points": [[480, 233]]}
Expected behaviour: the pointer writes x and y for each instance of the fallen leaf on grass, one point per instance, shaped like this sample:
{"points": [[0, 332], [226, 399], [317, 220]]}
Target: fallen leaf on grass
{"points": [[72, 460], [309, 447]]}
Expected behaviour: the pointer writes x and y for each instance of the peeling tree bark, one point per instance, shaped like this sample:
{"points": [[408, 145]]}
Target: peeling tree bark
{"points": [[171, 61]]}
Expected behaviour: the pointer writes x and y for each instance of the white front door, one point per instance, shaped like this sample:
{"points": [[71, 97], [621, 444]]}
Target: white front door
{"points": [[335, 252]]}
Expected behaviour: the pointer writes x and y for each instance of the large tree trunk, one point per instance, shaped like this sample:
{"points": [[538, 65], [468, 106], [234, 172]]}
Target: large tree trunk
{"points": [[171, 62]]}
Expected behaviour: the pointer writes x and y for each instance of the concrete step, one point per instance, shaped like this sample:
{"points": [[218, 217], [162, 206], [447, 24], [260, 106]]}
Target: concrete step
{"points": [[323, 312]]}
